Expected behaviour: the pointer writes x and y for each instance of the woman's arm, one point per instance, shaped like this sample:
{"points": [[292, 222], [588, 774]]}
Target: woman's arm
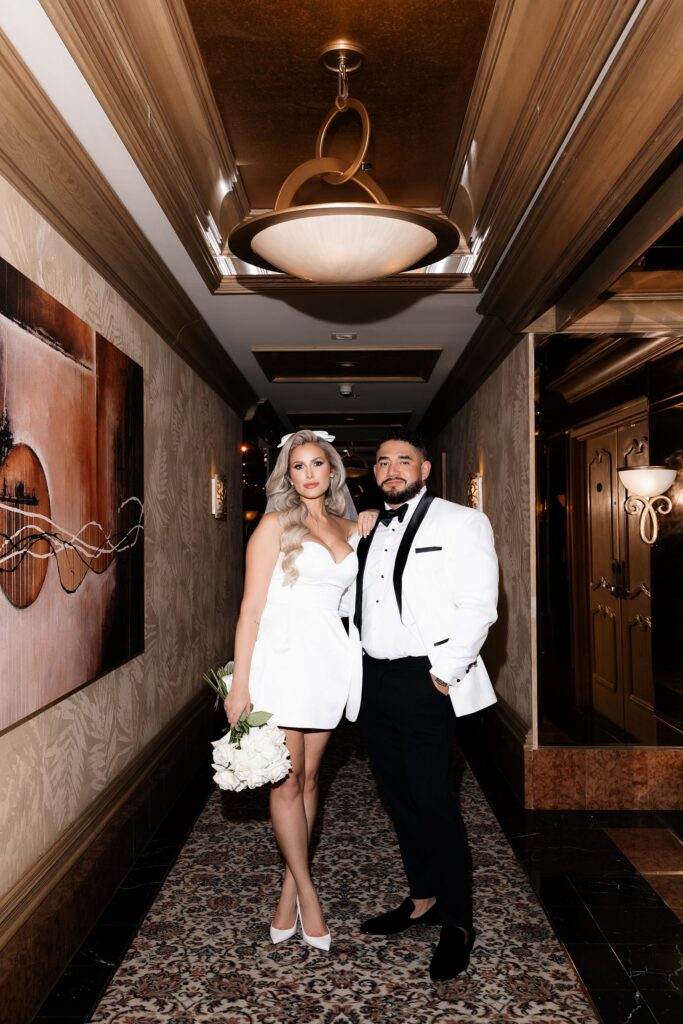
{"points": [[262, 553]]}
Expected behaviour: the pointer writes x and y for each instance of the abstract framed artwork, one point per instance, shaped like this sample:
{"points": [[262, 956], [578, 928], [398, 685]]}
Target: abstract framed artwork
{"points": [[71, 501]]}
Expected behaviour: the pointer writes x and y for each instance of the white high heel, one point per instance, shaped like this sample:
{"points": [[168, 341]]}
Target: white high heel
{"points": [[322, 942], [282, 934]]}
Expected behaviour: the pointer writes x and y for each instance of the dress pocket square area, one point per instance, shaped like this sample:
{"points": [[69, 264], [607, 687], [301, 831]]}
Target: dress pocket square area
{"points": [[420, 551]]}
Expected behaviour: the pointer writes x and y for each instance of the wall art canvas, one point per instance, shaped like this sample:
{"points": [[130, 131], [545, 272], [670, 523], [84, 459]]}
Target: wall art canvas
{"points": [[71, 501]]}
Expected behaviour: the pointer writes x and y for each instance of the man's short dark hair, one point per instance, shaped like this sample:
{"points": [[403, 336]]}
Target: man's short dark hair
{"points": [[401, 434]]}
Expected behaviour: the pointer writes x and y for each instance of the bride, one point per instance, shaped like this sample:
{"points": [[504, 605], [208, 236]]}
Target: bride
{"points": [[293, 657]]}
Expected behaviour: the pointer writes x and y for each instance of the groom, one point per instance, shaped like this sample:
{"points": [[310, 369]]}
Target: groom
{"points": [[425, 598]]}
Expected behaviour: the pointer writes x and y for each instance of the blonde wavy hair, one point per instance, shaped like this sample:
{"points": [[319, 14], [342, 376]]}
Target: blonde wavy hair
{"points": [[285, 500]]}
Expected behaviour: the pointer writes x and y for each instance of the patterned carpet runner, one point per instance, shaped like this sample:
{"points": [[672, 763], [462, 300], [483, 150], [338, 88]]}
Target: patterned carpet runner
{"points": [[203, 953]]}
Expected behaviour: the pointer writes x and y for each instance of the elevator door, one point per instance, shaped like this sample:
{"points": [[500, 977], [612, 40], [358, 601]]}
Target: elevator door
{"points": [[617, 605]]}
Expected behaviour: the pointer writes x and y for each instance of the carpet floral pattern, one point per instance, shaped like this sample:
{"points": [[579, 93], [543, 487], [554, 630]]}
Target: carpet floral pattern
{"points": [[203, 953]]}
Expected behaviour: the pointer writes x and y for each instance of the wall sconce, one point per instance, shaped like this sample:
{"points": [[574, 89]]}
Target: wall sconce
{"points": [[219, 508], [475, 491], [646, 486]]}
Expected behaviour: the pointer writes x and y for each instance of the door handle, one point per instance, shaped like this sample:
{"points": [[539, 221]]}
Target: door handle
{"points": [[643, 622], [619, 574]]}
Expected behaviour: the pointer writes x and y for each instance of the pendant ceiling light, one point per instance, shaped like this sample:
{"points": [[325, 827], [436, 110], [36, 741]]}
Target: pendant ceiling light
{"points": [[342, 242]]}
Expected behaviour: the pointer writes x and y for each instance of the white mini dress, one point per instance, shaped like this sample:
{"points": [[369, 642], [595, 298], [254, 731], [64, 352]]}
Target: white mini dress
{"points": [[303, 667]]}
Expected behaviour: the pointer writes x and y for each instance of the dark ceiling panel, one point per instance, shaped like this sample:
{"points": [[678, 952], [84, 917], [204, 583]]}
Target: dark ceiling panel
{"points": [[352, 365], [421, 61], [350, 421]]}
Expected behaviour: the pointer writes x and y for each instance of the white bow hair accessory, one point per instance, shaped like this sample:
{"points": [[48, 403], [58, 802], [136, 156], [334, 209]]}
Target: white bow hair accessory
{"points": [[322, 434]]}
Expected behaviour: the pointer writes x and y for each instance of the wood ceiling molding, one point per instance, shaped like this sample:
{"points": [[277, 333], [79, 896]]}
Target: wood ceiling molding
{"points": [[609, 360], [531, 103], [252, 284], [141, 60], [632, 125], [45, 162], [626, 315], [326, 365], [456, 202], [648, 284], [339, 419], [606, 273]]}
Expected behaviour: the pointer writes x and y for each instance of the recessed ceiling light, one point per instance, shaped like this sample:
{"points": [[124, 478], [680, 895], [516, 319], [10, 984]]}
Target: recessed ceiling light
{"points": [[350, 419], [347, 364], [343, 336]]}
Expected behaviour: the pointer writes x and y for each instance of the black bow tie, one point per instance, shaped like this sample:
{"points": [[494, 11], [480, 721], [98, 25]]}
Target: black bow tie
{"points": [[393, 513]]}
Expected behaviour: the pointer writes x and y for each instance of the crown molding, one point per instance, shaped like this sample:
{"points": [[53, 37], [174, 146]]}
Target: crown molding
{"points": [[44, 161], [607, 271], [568, 45], [621, 314], [639, 89], [143, 64], [454, 191], [520, 110], [609, 360], [260, 284]]}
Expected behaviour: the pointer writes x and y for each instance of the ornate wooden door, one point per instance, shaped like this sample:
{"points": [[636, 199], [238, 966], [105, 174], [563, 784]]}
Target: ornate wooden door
{"points": [[616, 606]]}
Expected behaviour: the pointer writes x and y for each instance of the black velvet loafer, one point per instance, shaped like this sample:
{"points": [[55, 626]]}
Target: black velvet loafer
{"points": [[394, 921], [452, 955]]}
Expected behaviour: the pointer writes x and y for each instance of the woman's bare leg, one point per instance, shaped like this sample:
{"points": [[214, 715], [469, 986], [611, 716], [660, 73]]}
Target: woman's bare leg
{"points": [[306, 750]]}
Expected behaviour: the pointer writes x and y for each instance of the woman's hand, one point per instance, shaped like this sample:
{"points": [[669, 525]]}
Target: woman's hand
{"points": [[235, 703], [367, 520]]}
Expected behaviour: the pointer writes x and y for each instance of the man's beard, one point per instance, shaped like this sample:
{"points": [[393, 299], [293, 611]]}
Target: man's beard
{"points": [[392, 496]]}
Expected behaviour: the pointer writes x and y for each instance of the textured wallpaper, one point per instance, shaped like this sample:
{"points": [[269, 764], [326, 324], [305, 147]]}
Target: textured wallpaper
{"points": [[54, 764], [493, 435]]}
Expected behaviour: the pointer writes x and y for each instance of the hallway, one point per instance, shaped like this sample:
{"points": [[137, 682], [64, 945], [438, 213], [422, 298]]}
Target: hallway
{"points": [[202, 953], [225, 222]]}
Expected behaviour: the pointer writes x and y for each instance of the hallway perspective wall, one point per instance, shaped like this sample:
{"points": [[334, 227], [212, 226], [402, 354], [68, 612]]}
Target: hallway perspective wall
{"points": [[55, 764], [493, 435]]}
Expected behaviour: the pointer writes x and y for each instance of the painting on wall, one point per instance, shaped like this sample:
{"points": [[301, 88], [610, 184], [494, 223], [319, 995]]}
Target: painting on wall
{"points": [[71, 501]]}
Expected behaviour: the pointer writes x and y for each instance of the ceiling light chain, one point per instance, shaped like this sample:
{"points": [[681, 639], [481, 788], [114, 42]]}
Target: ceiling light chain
{"points": [[341, 241], [342, 84]]}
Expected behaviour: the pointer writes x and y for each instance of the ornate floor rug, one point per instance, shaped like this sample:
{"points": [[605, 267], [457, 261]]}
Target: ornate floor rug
{"points": [[203, 953]]}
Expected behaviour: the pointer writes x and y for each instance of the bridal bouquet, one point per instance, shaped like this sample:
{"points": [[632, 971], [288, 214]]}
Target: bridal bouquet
{"points": [[253, 751]]}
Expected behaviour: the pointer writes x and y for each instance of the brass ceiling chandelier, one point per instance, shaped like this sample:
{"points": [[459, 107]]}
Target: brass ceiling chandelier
{"points": [[343, 242]]}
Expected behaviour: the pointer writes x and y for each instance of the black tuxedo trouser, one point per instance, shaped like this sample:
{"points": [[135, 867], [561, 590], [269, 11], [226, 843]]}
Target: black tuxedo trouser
{"points": [[408, 728]]}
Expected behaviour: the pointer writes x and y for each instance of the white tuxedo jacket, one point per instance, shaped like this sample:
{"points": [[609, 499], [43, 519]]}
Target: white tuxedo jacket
{"points": [[446, 586]]}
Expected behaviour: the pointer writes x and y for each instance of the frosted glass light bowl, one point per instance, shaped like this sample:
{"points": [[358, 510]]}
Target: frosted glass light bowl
{"points": [[647, 481], [343, 243]]}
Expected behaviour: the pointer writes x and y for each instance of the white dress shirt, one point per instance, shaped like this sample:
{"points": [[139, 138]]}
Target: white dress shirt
{"points": [[383, 633]]}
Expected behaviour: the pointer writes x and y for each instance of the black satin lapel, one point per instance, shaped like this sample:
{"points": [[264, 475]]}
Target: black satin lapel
{"points": [[362, 554], [404, 547]]}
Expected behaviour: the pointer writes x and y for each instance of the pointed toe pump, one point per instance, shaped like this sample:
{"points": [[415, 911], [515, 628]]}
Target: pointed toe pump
{"points": [[322, 942], [282, 934]]}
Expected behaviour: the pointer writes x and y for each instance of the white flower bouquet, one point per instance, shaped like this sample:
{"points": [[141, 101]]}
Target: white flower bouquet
{"points": [[253, 751]]}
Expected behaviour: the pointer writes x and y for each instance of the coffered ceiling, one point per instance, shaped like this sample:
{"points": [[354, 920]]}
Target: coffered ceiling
{"points": [[548, 131], [421, 58]]}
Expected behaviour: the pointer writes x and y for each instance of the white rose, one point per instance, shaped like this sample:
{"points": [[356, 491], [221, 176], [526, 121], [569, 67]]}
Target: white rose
{"points": [[226, 779], [223, 752]]}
